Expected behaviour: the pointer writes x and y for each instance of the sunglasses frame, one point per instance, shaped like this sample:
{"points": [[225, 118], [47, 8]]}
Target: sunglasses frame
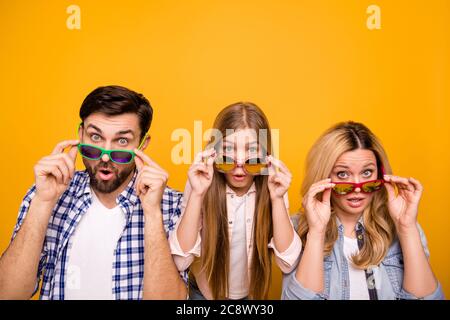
{"points": [[108, 152], [358, 185], [235, 165]]}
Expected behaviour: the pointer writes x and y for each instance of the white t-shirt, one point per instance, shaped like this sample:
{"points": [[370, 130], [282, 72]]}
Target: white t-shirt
{"points": [[91, 255], [357, 277], [238, 278]]}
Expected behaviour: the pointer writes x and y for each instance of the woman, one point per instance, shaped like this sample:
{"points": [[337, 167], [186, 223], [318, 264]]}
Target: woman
{"points": [[235, 211], [359, 227]]}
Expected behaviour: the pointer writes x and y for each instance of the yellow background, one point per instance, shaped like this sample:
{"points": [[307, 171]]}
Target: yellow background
{"points": [[308, 64]]}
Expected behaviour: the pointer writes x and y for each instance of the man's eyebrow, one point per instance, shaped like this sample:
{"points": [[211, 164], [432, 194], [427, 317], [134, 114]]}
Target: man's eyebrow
{"points": [[94, 127], [122, 132]]}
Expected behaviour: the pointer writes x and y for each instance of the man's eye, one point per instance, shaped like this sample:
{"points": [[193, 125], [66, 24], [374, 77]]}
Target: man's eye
{"points": [[123, 141], [95, 137], [342, 175]]}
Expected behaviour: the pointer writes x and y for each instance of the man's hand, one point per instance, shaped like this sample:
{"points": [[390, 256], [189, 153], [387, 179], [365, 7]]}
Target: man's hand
{"points": [[150, 182], [54, 172]]}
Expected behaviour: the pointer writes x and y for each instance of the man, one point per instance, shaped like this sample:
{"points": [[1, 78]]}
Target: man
{"points": [[99, 233]]}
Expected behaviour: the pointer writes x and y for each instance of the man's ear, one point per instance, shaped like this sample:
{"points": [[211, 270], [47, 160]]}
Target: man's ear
{"points": [[80, 132], [146, 142]]}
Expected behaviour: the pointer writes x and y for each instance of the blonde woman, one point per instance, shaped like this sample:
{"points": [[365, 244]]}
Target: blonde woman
{"points": [[235, 212], [359, 227]]}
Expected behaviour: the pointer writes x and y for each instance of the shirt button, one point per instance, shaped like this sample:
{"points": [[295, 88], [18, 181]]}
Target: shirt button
{"points": [[230, 222], [232, 195], [248, 220]]}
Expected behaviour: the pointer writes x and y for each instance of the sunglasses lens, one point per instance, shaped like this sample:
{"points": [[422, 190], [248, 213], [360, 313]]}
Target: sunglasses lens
{"points": [[255, 166], [371, 186], [224, 164], [121, 156], [90, 152], [343, 188]]}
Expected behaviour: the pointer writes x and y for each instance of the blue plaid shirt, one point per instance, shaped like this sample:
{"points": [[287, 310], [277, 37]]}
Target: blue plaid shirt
{"points": [[128, 266]]}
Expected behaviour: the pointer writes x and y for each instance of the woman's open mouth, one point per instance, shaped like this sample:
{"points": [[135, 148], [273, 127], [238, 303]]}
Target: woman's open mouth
{"points": [[355, 202], [239, 177]]}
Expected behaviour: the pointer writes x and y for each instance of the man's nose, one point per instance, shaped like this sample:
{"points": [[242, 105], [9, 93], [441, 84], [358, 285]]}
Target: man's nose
{"points": [[105, 158]]}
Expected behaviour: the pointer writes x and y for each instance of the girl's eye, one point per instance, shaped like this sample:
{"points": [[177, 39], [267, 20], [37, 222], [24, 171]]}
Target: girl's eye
{"points": [[228, 148], [342, 175], [367, 173], [253, 149], [95, 137], [123, 141]]}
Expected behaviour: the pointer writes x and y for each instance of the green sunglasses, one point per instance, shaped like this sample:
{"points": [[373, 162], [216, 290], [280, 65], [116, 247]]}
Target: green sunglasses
{"points": [[120, 156]]}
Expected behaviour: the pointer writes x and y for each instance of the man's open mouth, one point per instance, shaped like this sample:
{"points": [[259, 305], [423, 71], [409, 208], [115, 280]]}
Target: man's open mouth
{"points": [[105, 173]]}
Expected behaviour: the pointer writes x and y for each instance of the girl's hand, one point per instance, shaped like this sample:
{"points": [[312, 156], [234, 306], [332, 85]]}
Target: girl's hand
{"points": [[404, 206], [201, 172], [318, 212], [279, 180]]}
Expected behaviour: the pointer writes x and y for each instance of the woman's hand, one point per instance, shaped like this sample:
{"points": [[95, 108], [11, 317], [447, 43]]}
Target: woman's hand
{"points": [[201, 171], [279, 180], [404, 206], [318, 212]]}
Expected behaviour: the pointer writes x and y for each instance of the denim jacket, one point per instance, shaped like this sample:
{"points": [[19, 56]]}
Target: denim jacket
{"points": [[388, 275]]}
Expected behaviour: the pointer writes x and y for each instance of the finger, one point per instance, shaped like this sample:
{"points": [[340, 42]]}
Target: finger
{"points": [[390, 188], [199, 167], [155, 171], [50, 169], [139, 163], [150, 181], [69, 163], [326, 196], [210, 160], [417, 185], [279, 164], [324, 181], [64, 144], [271, 169], [61, 164], [73, 152], [318, 189], [206, 154], [146, 159]]}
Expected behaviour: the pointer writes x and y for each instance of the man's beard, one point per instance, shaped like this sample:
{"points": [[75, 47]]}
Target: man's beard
{"points": [[110, 185]]}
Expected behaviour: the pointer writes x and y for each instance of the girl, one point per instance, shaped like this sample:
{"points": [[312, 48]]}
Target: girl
{"points": [[235, 211], [359, 226]]}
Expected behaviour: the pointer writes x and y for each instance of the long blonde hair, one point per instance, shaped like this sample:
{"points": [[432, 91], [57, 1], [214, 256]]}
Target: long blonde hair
{"points": [[215, 259], [378, 225]]}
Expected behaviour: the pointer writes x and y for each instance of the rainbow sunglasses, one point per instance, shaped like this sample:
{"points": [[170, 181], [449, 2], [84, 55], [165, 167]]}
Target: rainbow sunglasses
{"points": [[120, 156]]}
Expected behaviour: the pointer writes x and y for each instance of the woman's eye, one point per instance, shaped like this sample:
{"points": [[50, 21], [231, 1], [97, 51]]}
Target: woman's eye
{"points": [[367, 173], [95, 137], [123, 141], [342, 175]]}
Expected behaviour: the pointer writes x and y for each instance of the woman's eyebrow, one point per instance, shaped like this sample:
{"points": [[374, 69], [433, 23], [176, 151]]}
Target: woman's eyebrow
{"points": [[370, 164], [341, 166]]}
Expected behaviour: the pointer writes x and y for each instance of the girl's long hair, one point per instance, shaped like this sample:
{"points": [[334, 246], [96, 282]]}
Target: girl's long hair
{"points": [[215, 259], [378, 224]]}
